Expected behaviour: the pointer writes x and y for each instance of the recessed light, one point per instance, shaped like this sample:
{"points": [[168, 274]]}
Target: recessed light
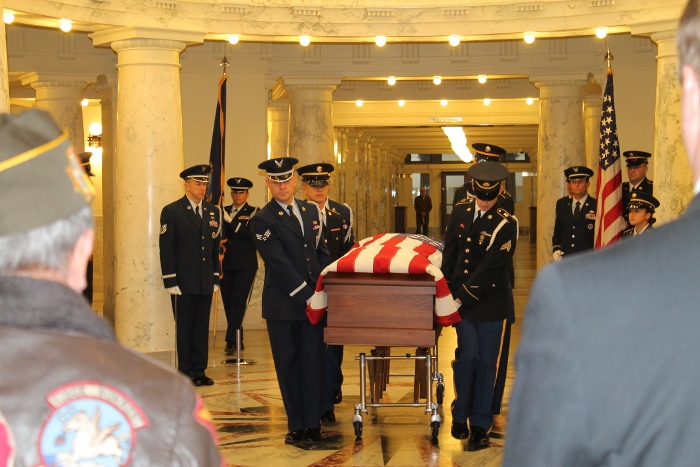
{"points": [[233, 39], [402, 103], [359, 103], [304, 40], [529, 101], [391, 80], [443, 102], [529, 37], [380, 41], [454, 40], [600, 33], [8, 17], [487, 101], [481, 78], [65, 25], [437, 80]]}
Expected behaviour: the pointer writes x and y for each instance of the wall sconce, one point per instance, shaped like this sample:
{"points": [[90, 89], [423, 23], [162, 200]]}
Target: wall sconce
{"points": [[95, 136]]}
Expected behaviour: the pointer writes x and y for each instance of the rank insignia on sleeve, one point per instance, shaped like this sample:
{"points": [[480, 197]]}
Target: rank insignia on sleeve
{"points": [[506, 246], [163, 228], [264, 236]]}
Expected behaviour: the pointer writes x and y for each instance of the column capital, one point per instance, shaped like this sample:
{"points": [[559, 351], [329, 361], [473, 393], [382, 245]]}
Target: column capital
{"points": [[148, 43], [558, 86], [111, 35], [278, 105], [59, 84]]}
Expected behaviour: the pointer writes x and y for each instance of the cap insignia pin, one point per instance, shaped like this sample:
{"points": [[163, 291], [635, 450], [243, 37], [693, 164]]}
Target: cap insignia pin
{"points": [[279, 163]]}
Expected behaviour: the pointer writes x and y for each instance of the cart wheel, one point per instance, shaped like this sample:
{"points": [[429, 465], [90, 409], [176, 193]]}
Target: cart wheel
{"points": [[358, 429], [440, 393], [435, 429]]}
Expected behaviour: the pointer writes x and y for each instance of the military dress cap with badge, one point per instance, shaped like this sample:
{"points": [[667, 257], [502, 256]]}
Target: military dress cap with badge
{"points": [[279, 169], [316, 175], [199, 173], [635, 158], [239, 184], [488, 152], [577, 172], [486, 179], [38, 168]]}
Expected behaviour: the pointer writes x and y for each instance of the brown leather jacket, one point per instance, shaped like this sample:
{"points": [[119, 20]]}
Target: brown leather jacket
{"points": [[71, 395]]}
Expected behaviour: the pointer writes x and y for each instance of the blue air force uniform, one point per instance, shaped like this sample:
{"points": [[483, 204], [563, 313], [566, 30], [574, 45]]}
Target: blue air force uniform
{"points": [[574, 234]]}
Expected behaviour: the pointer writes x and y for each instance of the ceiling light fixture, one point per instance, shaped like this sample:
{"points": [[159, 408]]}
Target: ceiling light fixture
{"points": [[65, 25], [233, 39], [487, 101], [359, 103], [437, 80], [380, 41], [529, 101], [600, 33], [304, 40], [402, 103], [391, 80], [482, 78], [458, 140], [529, 37], [454, 40], [443, 102], [84, 102], [8, 17]]}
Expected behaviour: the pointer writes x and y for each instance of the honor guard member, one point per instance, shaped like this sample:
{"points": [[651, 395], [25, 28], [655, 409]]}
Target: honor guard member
{"points": [[189, 260], [641, 208], [337, 229], [240, 259], [637, 166], [65, 374], [289, 237], [85, 164], [575, 216], [487, 152], [479, 245]]}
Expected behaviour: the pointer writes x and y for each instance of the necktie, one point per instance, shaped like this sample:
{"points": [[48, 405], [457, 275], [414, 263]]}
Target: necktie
{"points": [[196, 211], [478, 215], [290, 208], [577, 209], [233, 213]]}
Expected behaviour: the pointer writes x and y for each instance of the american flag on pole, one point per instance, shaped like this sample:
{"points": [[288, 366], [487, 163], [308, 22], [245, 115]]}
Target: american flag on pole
{"points": [[397, 253], [609, 221]]}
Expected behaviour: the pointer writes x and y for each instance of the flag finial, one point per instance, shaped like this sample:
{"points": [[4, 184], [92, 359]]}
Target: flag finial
{"points": [[224, 64], [608, 57]]}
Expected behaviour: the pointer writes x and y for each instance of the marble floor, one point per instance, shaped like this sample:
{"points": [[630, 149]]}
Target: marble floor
{"points": [[247, 407]]}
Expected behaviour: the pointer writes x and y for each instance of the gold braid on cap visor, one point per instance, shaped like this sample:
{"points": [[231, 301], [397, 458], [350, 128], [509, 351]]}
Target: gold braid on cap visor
{"points": [[32, 153]]}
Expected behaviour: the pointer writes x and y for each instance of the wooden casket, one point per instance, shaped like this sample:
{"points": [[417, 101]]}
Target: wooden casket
{"points": [[380, 309]]}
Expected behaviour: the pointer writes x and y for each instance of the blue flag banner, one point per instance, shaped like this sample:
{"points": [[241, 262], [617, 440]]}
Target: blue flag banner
{"points": [[215, 194]]}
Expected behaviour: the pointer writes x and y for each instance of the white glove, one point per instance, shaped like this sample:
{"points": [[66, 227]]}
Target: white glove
{"points": [[458, 304], [216, 288], [557, 255], [174, 290]]}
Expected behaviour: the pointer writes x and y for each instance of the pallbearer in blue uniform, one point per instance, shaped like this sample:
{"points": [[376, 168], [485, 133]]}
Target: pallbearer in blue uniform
{"points": [[637, 166], [240, 259], [482, 153], [337, 229], [479, 245], [189, 260], [575, 222], [641, 208], [289, 237]]}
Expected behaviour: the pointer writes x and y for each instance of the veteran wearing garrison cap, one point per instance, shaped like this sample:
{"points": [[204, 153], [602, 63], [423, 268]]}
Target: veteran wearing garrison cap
{"points": [[289, 237], [337, 229], [479, 244], [641, 208], [637, 166], [574, 226], [486, 152], [189, 259], [240, 259], [58, 358]]}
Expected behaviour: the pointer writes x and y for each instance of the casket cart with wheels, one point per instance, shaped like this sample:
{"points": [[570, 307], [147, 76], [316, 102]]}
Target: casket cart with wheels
{"points": [[384, 311]]}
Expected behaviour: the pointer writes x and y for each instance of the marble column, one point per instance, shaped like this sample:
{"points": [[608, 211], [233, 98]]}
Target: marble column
{"points": [[278, 115], [4, 77], [673, 182], [592, 108], [311, 119], [362, 186], [350, 194], [560, 145], [61, 99], [106, 86], [149, 158]]}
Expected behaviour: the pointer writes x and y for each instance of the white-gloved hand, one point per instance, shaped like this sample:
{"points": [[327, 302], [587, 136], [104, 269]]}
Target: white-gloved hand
{"points": [[458, 304], [216, 288], [174, 290], [557, 255]]}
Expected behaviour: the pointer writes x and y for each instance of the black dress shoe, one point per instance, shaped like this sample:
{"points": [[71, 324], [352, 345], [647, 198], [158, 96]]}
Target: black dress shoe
{"points": [[294, 437], [328, 416], [478, 439], [203, 380], [312, 435], [196, 381], [459, 430], [230, 349], [338, 396]]}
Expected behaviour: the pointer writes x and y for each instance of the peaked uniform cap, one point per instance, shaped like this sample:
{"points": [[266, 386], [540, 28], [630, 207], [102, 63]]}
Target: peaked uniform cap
{"points": [[38, 168], [279, 169], [642, 200], [578, 171], [488, 152], [317, 175], [635, 158], [197, 172], [239, 184]]}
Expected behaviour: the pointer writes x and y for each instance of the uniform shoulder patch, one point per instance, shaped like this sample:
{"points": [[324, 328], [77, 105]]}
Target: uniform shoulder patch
{"points": [[503, 213], [465, 201], [163, 228], [89, 420]]}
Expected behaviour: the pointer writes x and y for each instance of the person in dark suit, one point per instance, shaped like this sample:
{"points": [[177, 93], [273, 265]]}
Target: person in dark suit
{"points": [[637, 166], [189, 260], [289, 237], [337, 230], [479, 245], [641, 208], [617, 383], [423, 205], [575, 221], [487, 152], [88, 292], [240, 259]]}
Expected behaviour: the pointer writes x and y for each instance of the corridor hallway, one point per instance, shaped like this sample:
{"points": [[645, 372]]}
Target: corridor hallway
{"points": [[247, 407]]}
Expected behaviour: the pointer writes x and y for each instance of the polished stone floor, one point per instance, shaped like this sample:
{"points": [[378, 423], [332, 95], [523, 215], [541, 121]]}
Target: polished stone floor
{"points": [[247, 408]]}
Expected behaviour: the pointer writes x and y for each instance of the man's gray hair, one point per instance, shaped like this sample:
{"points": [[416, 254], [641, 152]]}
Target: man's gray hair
{"points": [[44, 248]]}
